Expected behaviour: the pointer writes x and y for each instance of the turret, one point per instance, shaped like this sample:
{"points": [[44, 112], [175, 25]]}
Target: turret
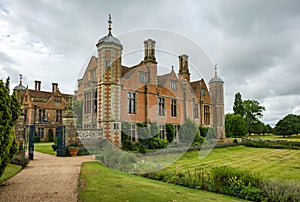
{"points": [[109, 88], [216, 87]]}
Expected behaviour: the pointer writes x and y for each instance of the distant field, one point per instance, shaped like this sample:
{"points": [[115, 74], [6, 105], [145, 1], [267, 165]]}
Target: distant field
{"points": [[272, 163], [99, 183], [295, 138]]}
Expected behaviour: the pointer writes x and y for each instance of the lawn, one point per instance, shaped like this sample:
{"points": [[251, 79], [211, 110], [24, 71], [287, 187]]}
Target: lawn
{"points": [[10, 171], [44, 147], [99, 183], [271, 163]]}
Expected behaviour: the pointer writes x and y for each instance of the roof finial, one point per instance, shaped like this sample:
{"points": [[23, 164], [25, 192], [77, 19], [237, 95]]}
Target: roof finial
{"points": [[20, 75], [109, 24], [216, 70]]}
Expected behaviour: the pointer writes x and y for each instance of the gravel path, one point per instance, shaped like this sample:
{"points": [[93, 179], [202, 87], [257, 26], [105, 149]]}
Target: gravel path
{"points": [[46, 178]]}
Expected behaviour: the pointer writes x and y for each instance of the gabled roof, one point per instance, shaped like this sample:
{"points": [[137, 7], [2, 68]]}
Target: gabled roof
{"points": [[93, 59], [127, 72], [162, 79], [46, 95], [196, 84]]}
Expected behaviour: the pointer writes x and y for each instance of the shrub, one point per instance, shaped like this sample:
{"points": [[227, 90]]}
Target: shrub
{"points": [[157, 143], [116, 159], [20, 160], [37, 138], [82, 151], [170, 132], [272, 144], [223, 179], [203, 131], [142, 166], [275, 190], [198, 140], [141, 149], [54, 147]]}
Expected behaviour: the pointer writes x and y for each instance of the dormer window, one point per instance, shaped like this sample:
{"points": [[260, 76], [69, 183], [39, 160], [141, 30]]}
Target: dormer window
{"points": [[57, 99], [173, 84]]}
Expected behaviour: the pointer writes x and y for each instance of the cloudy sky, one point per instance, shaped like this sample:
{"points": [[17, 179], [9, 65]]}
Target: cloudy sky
{"points": [[255, 43]]}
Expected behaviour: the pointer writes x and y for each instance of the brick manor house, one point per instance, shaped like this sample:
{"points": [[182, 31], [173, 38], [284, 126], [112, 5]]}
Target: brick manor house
{"points": [[113, 93], [42, 108]]}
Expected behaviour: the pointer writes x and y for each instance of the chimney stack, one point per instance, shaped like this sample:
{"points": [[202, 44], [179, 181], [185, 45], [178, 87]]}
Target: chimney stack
{"points": [[184, 67], [37, 85], [54, 87], [149, 46]]}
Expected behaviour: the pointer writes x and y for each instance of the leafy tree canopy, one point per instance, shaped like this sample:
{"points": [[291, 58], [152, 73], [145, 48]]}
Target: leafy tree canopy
{"points": [[288, 126], [238, 104], [251, 111], [235, 125]]}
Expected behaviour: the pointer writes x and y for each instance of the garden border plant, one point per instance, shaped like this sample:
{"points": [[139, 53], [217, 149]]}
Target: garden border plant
{"points": [[233, 182]]}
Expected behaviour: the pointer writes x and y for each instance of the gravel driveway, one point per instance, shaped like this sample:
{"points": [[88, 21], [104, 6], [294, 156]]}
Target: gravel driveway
{"points": [[46, 178]]}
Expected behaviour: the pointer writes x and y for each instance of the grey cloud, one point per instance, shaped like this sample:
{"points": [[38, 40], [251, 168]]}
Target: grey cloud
{"points": [[255, 43], [5, 59]]}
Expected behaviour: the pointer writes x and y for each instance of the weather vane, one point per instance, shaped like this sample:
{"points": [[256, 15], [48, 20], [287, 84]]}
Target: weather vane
{"points": [[216, 69], [109, 23]]}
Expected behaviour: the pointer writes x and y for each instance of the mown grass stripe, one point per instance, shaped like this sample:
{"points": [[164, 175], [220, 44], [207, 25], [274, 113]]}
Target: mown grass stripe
{"points": [[272, 163]]}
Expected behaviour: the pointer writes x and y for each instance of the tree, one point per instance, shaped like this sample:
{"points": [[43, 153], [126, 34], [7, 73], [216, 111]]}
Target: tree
{"points": [[252, 112], [288, 126], [267, 129], [238, 107], [170, 132], [235, 125], [9, 113], [257, 127]]}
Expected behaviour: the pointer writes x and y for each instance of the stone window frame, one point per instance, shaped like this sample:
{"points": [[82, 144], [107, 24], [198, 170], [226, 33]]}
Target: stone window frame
{"points": [[143, 76], [173, 84], [173, 107], [131, 102], [58, 116], [162, 131], [195, 109], [206, 115], [161, 106], [133, 132]]}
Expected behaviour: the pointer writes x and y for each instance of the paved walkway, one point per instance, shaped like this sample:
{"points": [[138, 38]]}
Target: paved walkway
{"points": [[46, 178]]}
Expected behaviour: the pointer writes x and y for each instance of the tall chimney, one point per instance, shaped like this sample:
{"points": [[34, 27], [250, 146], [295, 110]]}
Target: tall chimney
{"points": [[37, 85], [149, 46], [184, 67], [54, 87]]}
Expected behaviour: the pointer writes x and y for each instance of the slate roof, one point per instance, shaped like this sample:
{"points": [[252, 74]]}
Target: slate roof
{"points": [[162, 79]]}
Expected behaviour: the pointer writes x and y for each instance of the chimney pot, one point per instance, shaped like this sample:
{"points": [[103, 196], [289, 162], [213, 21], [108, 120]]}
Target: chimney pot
{"points": [[37, 85], [54, 87]]}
